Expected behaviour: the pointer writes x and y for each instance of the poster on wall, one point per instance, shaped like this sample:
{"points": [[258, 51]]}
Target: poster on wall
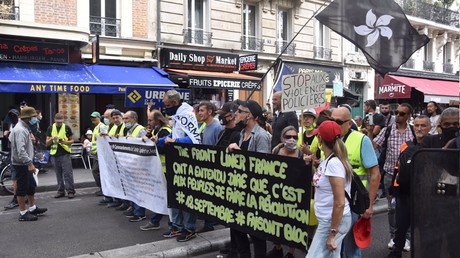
{"points": [[69, 107]]}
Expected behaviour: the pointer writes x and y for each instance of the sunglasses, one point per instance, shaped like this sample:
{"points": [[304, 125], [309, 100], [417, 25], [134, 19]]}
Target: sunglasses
{"points": [[399, 113], [295, 137], [340, 122]]}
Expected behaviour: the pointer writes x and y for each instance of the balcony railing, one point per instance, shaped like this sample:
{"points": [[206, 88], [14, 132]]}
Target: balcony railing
{"points": [[448, 68], [252, 43], [418, 8], [105, 26], [197, 36], [9, 12], [281, 45], [322, 53], [409, 64], [428, 65]]}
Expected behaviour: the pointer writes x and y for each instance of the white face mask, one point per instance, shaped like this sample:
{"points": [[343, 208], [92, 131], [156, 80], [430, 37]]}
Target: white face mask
{"points": [[290, 144]]}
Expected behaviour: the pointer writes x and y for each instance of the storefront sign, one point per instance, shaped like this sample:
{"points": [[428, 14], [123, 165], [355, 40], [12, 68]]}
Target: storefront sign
{"points": [[393, 91], [222, 83], [248, 62], [199, 60], [37, 52], [61, 88], [261, 194], [142, 96], [69, 107], [303, 91]]}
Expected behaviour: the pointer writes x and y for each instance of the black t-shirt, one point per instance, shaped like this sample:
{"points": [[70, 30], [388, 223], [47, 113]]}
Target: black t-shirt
{"points": [[68, 132], [229, 136], [162, 133]]}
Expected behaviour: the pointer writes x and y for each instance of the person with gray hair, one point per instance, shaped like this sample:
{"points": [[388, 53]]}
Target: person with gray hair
{"points": [[448, 124]]}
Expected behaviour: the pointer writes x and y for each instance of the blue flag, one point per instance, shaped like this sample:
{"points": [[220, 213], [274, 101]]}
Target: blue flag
{"points": [[378, 27]]}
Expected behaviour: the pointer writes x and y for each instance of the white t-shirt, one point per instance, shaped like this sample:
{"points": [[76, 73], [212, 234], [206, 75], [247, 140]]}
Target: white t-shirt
{"points": [[324, 199]]}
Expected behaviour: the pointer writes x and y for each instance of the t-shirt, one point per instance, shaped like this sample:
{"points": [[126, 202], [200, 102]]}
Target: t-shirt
{"points": [[68, 132], [324, 198], [211, 133]]}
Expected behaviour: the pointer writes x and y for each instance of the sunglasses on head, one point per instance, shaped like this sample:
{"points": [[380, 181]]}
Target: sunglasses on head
{"points": [[291, 136], [399, 113], [340, 122]]}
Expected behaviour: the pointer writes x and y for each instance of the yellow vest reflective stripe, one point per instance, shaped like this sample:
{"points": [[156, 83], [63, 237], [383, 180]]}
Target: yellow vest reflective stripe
{"points": [[162, 156], [114, 128], [201, 129], [62, 135], [93, 139], [135, 132], [353, 144]]}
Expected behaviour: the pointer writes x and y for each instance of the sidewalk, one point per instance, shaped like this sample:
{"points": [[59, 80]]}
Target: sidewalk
{"points": [[202, 244]]}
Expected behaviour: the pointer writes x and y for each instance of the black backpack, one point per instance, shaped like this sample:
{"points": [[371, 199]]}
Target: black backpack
{"points": [[359, 201]]}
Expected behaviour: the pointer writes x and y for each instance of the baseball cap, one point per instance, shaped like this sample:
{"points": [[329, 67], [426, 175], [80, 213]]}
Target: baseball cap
{"points": [[254, 107], [89, 132], [115, 112], [28, 112], [229, 107], [328, 130], [14, 112], [58, 117], [95, 114], [310, 112], [362, 232]]}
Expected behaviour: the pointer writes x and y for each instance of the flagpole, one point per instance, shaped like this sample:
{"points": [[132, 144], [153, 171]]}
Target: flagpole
{"points": [[284, 50]]}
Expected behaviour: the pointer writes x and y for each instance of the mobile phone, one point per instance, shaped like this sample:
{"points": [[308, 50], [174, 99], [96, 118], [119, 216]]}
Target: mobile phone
{"points": [[371, 119]]}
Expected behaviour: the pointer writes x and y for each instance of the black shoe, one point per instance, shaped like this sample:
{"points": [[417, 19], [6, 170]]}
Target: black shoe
{"points": [[13, 204], [122, 207], [394, 254], [59, 195], [137, 218], [114, 204], [71, 195], [276, 253], [185, 236], [38, 211], [98, 193], [129, 214], [105, 201], [289, 255], [27, 217]]}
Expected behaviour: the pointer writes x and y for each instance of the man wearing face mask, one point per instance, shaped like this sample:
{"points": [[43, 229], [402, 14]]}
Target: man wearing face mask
{"points": [[231, 132], [184, 130], [59, 136], [448, 123]]}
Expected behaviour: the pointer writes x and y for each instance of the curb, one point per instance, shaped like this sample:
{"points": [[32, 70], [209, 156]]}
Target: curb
{"points": [[47, 188]]}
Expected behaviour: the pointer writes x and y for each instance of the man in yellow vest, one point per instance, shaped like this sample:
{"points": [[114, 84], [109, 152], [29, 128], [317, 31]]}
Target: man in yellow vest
{"points": [[364, 162], [99, 129], [59, 137]]}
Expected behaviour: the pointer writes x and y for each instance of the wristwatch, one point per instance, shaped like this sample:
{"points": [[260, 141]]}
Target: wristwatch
{"points": [[333, 231]]}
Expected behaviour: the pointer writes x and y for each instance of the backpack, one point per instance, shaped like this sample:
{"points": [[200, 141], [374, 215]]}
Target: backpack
{"points": [[405, 165], [359, 200]]}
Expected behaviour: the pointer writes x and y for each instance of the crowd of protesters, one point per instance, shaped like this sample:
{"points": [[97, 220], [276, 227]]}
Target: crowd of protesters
{"points": [[332, 144]]}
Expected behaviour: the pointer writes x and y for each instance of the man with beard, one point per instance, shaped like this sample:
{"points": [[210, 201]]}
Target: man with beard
{"points": [[433, 111], [385, 110], [374, 122]]}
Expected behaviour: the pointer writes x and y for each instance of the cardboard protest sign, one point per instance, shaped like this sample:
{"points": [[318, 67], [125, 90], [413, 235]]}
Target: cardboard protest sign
{"points": [[303, 91], [131, 170], [260, 194]]}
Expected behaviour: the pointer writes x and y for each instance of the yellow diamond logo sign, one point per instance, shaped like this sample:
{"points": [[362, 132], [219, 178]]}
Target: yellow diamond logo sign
{"points": [[134, 96]]}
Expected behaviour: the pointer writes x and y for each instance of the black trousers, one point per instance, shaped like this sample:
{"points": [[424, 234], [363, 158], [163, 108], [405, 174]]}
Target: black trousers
{"points": [[402, 221], [242, 243]]}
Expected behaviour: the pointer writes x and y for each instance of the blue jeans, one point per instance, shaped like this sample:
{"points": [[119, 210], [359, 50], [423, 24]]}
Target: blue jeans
{"points": [[156, 218], [349, 246], [138, 210], [183, 220], [318, 246]]}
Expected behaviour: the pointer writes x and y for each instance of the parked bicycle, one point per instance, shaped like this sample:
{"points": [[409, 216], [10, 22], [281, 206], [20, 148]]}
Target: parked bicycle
{"points": [[5, 175]]}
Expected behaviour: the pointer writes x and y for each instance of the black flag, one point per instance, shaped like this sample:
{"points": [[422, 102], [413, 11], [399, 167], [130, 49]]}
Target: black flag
{"points": [[378, 27]]}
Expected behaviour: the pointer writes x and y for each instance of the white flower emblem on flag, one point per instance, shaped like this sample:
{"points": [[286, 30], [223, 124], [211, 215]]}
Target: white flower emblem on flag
{"points": [[375, 27]]}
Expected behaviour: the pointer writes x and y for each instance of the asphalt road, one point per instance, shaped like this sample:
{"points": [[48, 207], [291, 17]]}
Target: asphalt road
{"points": [[70, 227]]}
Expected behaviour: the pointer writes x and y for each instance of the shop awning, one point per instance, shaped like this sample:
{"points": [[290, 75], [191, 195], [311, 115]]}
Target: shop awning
{"points": [[217, 80], [77, 78], [398, 87]]}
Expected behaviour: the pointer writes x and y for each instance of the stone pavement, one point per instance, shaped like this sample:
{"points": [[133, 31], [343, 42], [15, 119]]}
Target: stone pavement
{"points": [[203, 243]]}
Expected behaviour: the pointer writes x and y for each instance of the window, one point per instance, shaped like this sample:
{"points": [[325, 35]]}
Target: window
{"points": [[322, 42], [9, 9], [249, 38], [103, 18], [284, 32], [197, 23], [446, 53]]}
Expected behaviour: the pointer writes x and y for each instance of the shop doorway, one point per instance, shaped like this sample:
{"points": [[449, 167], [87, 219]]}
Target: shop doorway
{"points": [[357, 88]]}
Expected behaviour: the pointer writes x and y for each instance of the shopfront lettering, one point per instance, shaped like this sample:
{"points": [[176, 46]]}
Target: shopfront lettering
{"points": [[199, 60], [399, 88], [200, 83], [32, 51], [60, 88], [226, 84], [24, 49], [226, 60]]}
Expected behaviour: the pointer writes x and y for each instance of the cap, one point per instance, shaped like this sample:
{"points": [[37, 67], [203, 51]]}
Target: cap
{"points": [[95, 114], [115, 112], [310, 112], [13, 112], [89, 132], [254, 107], [58, 117], [229, 107], [28, 112], [362, 232], [328, 130]]}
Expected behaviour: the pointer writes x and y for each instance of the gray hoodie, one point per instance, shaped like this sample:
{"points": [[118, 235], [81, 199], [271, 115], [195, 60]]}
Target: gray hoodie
{"points": [[22, 149]]}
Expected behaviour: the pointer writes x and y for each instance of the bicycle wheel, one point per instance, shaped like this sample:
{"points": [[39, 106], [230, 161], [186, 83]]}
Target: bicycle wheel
{"points": [[5, 180]]}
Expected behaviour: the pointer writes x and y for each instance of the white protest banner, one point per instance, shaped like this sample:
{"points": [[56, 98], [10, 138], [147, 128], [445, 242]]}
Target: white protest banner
{"points": [[303, 91], [131, 170]]}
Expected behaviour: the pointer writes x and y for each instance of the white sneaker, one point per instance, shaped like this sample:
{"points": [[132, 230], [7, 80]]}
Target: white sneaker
{"points": [[391, 244], [407, 246]]}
